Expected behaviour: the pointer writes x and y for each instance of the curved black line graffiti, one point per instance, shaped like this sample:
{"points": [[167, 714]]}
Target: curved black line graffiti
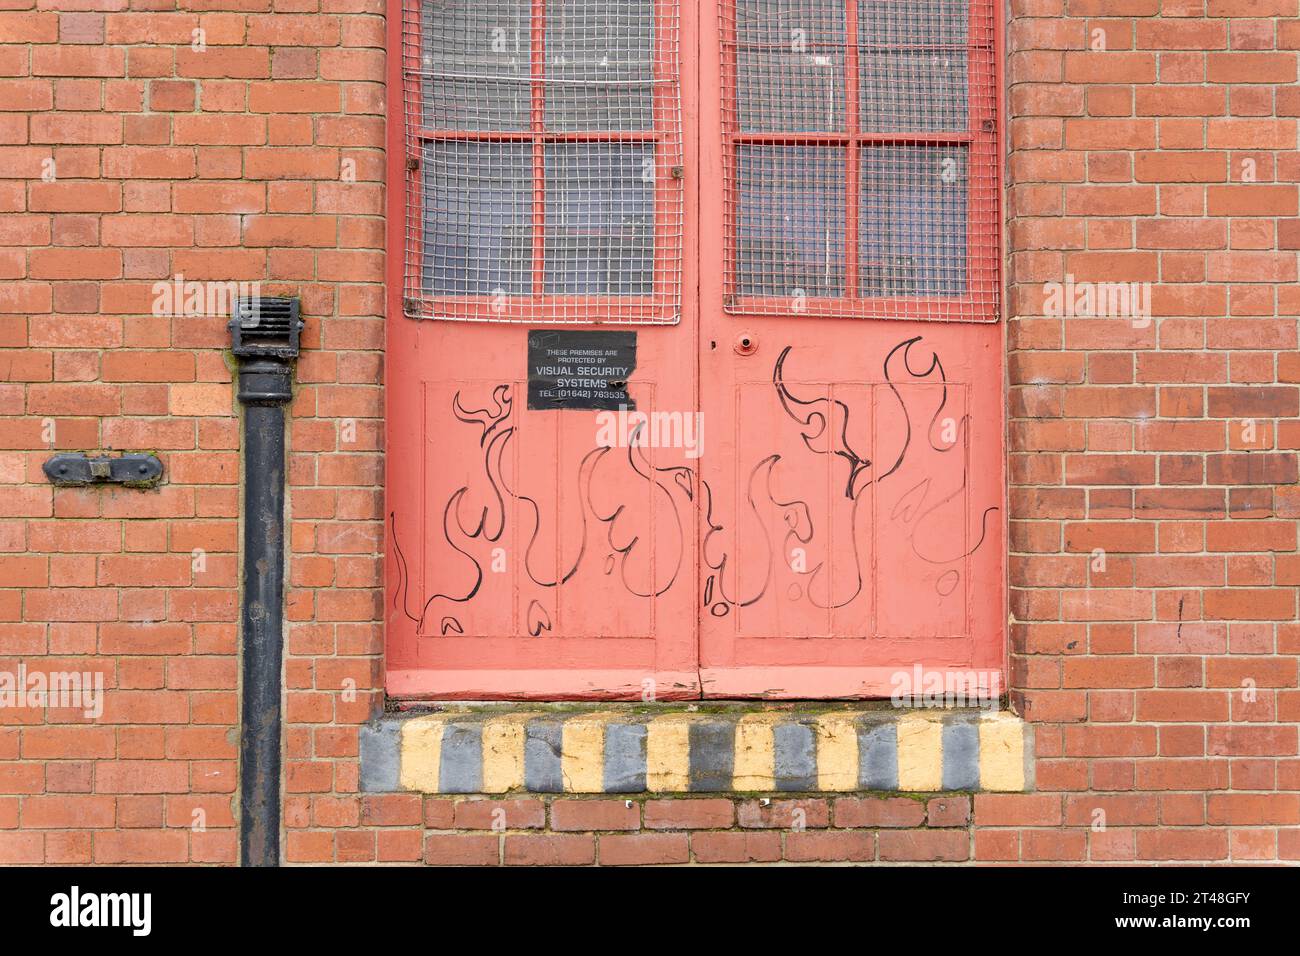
{"points": [[714, 581], [448, 622], [537, 528], [491, 419], [912, 514], [622, 536], [819, 417], [825, 430], [402, 571], [602, 496], [538, 618], [681, 477]]}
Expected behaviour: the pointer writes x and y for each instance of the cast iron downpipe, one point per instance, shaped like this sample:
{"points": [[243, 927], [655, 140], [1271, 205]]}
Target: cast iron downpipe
{"points": [[265, 340]]}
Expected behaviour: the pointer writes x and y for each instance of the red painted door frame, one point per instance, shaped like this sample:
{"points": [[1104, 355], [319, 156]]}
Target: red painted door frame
{"points": [[738, 617]]}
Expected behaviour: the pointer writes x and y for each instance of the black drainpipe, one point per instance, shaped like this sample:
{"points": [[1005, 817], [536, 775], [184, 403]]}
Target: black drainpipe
{"points": [[265, 340]]}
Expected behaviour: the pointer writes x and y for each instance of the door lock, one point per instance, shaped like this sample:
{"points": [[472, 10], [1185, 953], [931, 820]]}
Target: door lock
{"points": [[746, 343]]}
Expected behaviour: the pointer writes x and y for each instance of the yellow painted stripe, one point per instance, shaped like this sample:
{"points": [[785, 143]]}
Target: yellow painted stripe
{"points": [[1002, 752], [582, 753], [920, 753], [503, 753], [837, 752], [755, 758], [668, 749], [421, 753]]}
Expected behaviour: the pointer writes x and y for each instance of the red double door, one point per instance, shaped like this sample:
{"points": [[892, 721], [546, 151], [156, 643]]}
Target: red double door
{"points": [[810, 505]]}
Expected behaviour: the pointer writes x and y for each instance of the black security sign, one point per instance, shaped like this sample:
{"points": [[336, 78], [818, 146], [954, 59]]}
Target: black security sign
{"points": [[580, 369]]}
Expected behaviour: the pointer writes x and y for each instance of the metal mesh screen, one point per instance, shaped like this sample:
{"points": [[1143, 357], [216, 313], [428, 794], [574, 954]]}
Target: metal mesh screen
{"points": [[791, 220], [544, 154], [861, 158]]}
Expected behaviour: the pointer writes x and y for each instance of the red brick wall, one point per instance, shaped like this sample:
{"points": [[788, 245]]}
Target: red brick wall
{"points": [[1128, 165], [230, 163]]}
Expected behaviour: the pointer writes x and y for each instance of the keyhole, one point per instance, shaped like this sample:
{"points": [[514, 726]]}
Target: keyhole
{"points": [[746, 343]]}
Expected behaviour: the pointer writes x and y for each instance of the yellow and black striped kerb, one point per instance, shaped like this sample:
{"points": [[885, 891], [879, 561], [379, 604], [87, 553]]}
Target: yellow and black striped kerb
{"points": [[683, 752]]}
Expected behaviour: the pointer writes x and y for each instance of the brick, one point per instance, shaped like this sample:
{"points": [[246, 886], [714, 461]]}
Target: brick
{"points": [[550, 850], [461, 850], [69, 812], [878, 812], [1182, 844], [145, 846], [783, 814], [1053, 845], [998, 809], [689, 814], [732, 847], [830, 846], [643, 849], [948, 811], [21, 847], [499, 815], [924, 845], [595, 815]]}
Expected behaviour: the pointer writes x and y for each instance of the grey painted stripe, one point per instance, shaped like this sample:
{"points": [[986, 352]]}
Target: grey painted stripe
{"points": [[460, 766], [961, 756], [712, 755], [625, 760], [381, 756], [543, 740], [878, 756], [795, 756]]}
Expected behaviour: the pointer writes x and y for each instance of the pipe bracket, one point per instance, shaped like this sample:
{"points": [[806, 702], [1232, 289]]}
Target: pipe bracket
{"points": [[71, 469]]}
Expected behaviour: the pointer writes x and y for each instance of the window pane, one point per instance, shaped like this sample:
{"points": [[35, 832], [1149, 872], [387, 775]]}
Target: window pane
{"points": [[790, 65], [474, 57], [791, 221], [599, 65], [912, 65], [912, 233], [478, 200], [600, 218]]}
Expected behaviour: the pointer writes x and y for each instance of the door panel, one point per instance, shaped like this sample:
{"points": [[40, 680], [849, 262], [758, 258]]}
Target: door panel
{"points": [[854, 481], [844, 521], [853, 522], [525, 559]]}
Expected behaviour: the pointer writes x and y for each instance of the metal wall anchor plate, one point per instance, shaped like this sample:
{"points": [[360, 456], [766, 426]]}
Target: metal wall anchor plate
{"points": [[78, 468]]}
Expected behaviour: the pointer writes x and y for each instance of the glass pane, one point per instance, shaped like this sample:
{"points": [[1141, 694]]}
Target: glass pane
{"points": [[791, 221], [790, 65], [600, 218], [912, 65], [478, 214], [599, 65], [912, 232], [474, 59]]}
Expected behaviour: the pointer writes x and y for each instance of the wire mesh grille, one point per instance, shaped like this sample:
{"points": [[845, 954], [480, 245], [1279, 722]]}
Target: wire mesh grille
{"points": [[861, 158], [791, 227], [912, 237], [544, 157]]}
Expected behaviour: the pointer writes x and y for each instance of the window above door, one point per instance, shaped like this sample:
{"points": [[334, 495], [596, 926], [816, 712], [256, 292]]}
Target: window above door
{"points": [[860, 158], [544, 160]]}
